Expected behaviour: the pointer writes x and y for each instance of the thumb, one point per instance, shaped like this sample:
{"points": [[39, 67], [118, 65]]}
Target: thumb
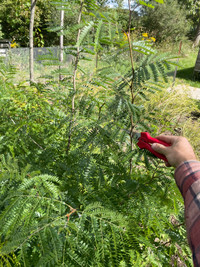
{"points": [[159, 148]]}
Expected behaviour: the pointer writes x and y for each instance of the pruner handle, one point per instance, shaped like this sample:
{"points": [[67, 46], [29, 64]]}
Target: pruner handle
{"points": [[145, 142]]}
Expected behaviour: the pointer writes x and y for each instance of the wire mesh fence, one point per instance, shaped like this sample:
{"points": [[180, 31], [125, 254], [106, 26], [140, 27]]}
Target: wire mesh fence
{"points": [[46, 62]]}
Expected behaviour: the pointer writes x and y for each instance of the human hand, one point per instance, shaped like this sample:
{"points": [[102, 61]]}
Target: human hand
{"points": [[179, 151]]}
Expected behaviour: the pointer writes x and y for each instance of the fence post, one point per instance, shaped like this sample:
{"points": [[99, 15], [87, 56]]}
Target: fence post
{"points": [[4, 47]]}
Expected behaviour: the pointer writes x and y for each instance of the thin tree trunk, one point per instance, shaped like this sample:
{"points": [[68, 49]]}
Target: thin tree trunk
{"points": [[197, 38], [175, 72], [77, 57], [131, 85], [74, 79], [61, 42], [31, 59], [96, 60]]}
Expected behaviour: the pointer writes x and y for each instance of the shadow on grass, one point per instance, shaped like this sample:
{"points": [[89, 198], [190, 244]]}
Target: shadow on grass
{"points": [[186, 74]]}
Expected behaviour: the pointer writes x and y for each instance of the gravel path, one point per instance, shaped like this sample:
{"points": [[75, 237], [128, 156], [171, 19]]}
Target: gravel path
{"points": [[193, 92]]}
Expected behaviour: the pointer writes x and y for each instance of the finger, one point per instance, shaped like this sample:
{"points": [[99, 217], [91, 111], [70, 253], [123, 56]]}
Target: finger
{"points": [[167, 138], [159, 148]]}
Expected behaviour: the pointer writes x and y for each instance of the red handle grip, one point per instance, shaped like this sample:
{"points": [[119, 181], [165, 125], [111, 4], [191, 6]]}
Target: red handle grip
{"points": [[145, 136], [144, 143]]}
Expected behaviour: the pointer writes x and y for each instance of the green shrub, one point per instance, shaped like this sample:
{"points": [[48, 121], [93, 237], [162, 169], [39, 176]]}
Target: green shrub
{"points": [[88, 209], [167, 22]]}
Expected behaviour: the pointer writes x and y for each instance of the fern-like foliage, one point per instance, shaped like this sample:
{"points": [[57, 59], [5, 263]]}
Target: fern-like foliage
{"points": [[41, 220], [97, 36], [38, 215], [84, 32]]}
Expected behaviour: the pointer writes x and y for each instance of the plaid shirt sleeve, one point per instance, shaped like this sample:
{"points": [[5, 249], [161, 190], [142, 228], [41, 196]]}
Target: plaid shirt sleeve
{"points": [[187, 177]]}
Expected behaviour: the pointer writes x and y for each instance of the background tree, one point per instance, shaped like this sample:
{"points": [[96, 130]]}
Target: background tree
{"points": [[102, 3], [14, 17], [167, 22], [119, 3], [62, 15], [193, 14], [31, 44]]}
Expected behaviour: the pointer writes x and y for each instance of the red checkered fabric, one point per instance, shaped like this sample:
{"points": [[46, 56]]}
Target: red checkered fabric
{"points": [[187, 177]]}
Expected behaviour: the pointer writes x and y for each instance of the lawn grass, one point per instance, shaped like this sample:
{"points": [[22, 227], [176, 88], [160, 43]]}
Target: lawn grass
{"points": [[185, 73]]}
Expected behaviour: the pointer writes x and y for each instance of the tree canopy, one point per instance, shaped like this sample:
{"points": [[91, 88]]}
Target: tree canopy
{"points": [[15, 17], [168, 20]]}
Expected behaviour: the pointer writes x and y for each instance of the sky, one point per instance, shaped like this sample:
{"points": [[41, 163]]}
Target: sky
{"points": [[125, 4]]}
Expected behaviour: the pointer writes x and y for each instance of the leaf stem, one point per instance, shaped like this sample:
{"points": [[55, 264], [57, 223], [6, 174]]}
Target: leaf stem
{"points": [[131, 85], [74, 78]]}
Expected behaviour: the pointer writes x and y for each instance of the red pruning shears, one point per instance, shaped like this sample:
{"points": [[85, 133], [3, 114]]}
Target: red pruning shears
{"points": [[145, 140]]}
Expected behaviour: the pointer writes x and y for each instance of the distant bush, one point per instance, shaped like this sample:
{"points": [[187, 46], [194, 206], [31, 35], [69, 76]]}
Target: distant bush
{"points": [[166, 22]]}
